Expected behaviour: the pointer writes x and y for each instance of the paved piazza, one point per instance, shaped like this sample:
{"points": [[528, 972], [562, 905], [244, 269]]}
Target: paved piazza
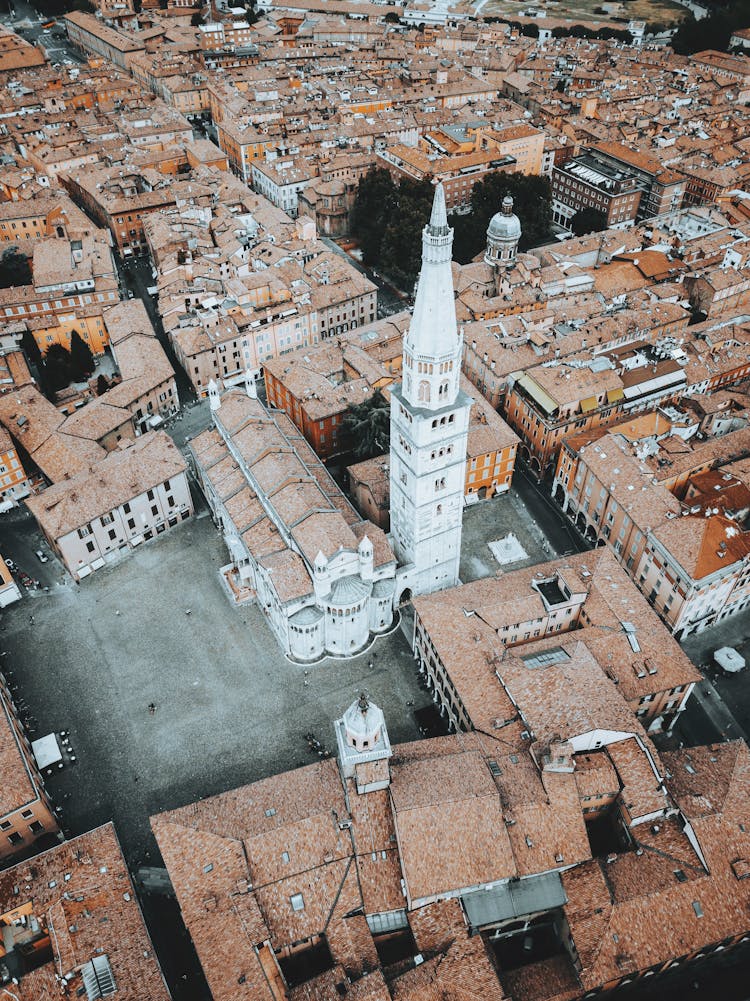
{"points": [[230, 707]]}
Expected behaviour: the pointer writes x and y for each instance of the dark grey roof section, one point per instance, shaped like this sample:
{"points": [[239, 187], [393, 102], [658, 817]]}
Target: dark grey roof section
{"points": [[515, 899]]}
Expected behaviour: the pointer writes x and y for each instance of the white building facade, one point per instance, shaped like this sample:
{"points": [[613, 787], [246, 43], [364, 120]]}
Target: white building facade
{"points": [[322, 576], [131, 496], [429, 425]]}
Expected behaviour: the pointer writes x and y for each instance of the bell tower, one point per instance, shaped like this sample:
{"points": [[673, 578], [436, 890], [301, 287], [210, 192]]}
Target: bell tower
{"points": [[429, 423], [363, 746]]}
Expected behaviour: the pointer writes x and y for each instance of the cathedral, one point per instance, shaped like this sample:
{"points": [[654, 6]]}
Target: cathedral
{"points": [[326, 580], [323, 577]]}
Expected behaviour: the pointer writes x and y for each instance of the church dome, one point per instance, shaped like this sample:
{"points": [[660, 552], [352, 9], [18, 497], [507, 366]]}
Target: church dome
{"points": [[503, 234], [363, 723], [505, 225]]}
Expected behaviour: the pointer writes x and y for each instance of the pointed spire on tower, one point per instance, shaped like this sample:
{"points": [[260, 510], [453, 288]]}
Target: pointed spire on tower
{"points": [[432, 347], [439, 215]]}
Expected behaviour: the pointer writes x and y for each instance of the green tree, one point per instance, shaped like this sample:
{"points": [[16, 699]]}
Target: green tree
{"points": [[401, 249], [81, 358], [14, 269], [711, 32], [102, 385], [58, 368], [34, 357], [620, 34], [588, 221], [251, 11], [376, 200], [368, 425], [388, 220], [532, 203], [392, 17]]}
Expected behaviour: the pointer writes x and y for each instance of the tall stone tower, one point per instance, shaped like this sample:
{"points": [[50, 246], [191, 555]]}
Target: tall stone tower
{"points": [[429, 423]]}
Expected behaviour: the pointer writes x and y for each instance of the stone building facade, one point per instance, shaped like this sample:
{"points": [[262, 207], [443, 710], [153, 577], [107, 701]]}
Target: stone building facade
{"points": [[324, 578], [429, 424]]}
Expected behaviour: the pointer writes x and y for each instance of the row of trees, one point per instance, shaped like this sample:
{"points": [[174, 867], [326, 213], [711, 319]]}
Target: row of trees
{"points": [[388, 218], [58, 366], [531, 30]]}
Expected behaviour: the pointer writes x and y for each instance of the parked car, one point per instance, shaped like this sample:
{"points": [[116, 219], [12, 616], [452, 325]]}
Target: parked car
{"points": [[41, 557]]}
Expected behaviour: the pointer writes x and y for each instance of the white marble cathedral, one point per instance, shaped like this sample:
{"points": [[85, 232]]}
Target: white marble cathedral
{"points": [[429, 425]]}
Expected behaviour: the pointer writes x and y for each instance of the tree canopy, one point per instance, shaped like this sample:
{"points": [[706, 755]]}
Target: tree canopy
{"points": [[401, 249], [711, 32], [14, 269], [376, 199], [31, 349], [81, 358], [588, 221], [532, 203], [58, 368], [57, 8], [388, 219], [368, 425], [582, 31]]}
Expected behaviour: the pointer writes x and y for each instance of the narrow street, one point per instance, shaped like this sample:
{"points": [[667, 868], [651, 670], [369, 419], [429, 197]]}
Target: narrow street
{"points": [[726, 696], [390, 299], [135, 276]]}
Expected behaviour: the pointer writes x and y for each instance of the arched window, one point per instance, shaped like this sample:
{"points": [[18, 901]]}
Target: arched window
{"points": [[424, 392]]}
